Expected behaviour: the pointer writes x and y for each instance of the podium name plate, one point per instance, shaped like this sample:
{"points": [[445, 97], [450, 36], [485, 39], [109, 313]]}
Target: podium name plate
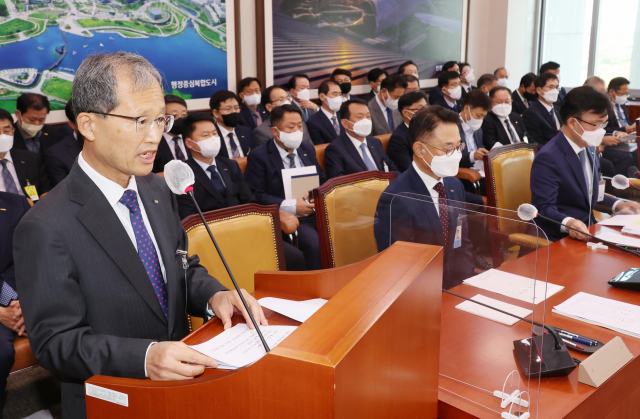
{"points": [[600, 366]]}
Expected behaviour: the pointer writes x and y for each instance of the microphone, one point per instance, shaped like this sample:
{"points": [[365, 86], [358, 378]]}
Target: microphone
{"points": [[179, 178], [528, 212], [622, 182]]}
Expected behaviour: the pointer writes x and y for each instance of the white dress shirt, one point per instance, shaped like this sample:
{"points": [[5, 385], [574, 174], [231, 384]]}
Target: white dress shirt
{"points": [[356, 144], [14, 175], [525, 101], [383, 109], [555, 115], [615, 112], [172, 144], [227, 141], [469, 139], [430, 183], [288, 205]]}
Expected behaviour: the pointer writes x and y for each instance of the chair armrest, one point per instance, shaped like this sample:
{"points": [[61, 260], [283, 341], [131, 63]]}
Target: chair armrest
{"points": [[288, 222], [471, 175], [527, 240]]}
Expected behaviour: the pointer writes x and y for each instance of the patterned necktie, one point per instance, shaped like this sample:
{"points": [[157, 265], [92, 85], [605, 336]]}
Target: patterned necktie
{"points": [[235, 150], [9, 184], [7, 294], [217, 182], [390, 119], [336, 127], [512, 133], [292, 161], [444, 211], [146, 248], [257, 118], [367, 161], [584, 158], [623, 119], [179, 154], [553, 118]]}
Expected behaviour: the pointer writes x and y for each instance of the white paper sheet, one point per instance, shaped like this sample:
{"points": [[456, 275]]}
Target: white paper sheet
{"points": [[618, 238], [514, 286], [286, 177], [239, 346], [496, 316], [604, 312], [620, 220], [296, 310]]}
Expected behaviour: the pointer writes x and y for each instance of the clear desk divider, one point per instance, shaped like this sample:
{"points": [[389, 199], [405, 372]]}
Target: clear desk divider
{"points": [[495, 267]]}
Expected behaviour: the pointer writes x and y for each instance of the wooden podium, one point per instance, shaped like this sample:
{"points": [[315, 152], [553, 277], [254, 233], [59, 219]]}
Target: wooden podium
{"points": [[371, 352]]}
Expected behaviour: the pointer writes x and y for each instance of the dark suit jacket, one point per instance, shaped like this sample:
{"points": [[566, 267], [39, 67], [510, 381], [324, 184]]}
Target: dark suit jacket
{"points": [[558, 187], [164, 155], [538, 123], [442, 102], [87, 300], [518, 105], [369, 96], [493, 131], [50, 135], [341, 157], [399, 148], [613, 121], [321, 129], [466, 154], [29, 168], [246, 116], [59, 158], [245, 137], [414, 219], [12, 208], [464, 92], [434, 94], [561, 95], [207, 196]]}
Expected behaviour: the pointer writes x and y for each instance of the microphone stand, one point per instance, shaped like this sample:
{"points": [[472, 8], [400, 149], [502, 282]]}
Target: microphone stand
{"points": [[224, 262]]}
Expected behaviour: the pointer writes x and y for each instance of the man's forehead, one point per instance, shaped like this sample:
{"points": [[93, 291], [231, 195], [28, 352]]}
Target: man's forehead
{"points": [[144, 101], [277, 92], [205, 126], [593, 115]]}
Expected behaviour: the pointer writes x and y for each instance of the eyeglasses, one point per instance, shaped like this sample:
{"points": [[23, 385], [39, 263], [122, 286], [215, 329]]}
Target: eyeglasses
{"points": [[603, 125], [8, 131], [450, 151], [144, 124], [230, 109]]}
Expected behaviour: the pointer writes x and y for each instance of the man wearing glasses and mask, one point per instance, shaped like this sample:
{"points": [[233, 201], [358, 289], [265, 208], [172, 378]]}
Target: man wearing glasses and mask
{"points": [[418, 207], [98, 266]]}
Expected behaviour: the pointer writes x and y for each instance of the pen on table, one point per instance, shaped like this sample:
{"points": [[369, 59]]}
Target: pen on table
{"points": [[572, 345], [576, 335], [576, 339]]}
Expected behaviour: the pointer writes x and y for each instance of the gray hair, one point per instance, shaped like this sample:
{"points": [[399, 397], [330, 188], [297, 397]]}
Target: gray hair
{"points": [[95, 82], [594, 81]]}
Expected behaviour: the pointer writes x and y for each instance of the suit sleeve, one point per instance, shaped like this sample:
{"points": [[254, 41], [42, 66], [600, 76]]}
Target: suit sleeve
{"points": [[252, 140], [466, 159], [55, 168], [256, 177], [244, 191], [43, 180], [186, 207], [333, 162], [532, 124], [545, 181], [397, 152], [314, 132], [489, 133]]}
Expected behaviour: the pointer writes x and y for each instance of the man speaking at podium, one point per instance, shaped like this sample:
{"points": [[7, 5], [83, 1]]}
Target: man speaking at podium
{"points": [[98, 266]]}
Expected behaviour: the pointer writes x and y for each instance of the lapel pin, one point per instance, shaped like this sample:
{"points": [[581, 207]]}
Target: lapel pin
{"points": [[22, 162], [2, 209], [225, 169], [450, 190], [305, 155], [155, 201], [45, 133]]}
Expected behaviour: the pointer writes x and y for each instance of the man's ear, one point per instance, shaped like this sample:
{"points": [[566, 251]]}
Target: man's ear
{"points": [[85, 126], [189, 144], [274, 131]]}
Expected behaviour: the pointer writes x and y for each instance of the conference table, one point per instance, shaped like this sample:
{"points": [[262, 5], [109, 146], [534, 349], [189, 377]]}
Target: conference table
{"points": [[476, 354]]}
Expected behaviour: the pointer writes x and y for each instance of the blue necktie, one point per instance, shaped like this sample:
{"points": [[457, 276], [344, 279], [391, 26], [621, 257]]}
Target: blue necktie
{"points": [[217, 182], [235, 152], [585, 168], [146, 248], [9, 184], [367, 161], [623, 119], [7, 294], [390, 119]]}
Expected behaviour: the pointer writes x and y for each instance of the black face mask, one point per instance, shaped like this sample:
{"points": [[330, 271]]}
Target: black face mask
{"points": [[530, 96], [345, 88], [231, 120], [176, 129]]}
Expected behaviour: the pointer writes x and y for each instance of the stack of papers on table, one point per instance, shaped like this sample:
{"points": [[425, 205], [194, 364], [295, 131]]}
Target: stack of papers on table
{"points": [[620, 220], [617, 238], [496, 316], [296, 310], [611, 314], [514, 286], [239, 346]]}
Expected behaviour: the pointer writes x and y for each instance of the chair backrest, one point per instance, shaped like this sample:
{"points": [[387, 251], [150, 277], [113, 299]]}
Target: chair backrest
{"points": [[508, 173], [345, 209], [384, 139], [320, 155], [242, 162]]}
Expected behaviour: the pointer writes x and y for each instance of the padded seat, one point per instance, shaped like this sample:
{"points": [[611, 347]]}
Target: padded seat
{"points": [[320, 155], [24, 354], [384, 139]]}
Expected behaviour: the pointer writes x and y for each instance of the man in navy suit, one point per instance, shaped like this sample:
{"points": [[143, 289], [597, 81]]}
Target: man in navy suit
{"points": [[524, 94], [502, 125], [399, 148], [449, 84], [423, 204], [299, 88], [252, 113], [324, 125], [618, 91], [355, 151], [342, 76], [554, 68], [172, 143], [565, 172], [59, 158], [375, 77], [264, 176], [237, 140], [436, 93], [542, 119]]}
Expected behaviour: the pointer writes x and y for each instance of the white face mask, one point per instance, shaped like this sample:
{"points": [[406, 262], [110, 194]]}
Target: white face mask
{"points": [[391, 103], [210, 147], [252, 100], [551, 96], [334, 103], [472, 122], [503, 82], [470, 77], [455, 93], [363, 127], [558, 76], [621, 100], [30, 130], [444, 166], [303, 94], [503, 109], [592, 138], [291, 139], [6, 142]]}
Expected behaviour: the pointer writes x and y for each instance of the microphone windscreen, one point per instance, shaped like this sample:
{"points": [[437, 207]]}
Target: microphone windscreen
{"points": [[620, 182], [527, 212], [633, 172], [178, 176]]}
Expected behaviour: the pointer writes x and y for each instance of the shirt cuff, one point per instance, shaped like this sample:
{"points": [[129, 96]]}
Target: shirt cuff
{"points": [[145, 359], [615, 204], [472, 157], [288, 205], [564, 222], [210, 313]]}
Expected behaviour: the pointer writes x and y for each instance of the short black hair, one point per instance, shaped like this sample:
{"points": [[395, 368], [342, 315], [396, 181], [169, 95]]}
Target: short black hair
{"points": [[340, 72], [616, 83], [68, 111], [345, 113], [463, 65], [375, 73], [408, 99], [174, 99], [392, 82], [410, 78], [265, 99], [549, 66], [427, 119], [405, 64], [291, 84], [448, 65], [324, 86], [527, 79], [4, 114], [277, 114], [221, 96], [246, 82], [543, 78], [34, 101], [477, 99], [189, 123], [496, 89], [447, 76], [486, 79], [581, 100], [495, 73]]}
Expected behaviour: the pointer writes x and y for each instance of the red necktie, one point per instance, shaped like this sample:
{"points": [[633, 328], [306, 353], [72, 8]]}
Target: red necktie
{"points": [[444, 210]]}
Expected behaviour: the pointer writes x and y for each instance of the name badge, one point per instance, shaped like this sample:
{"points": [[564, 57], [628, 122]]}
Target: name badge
{"points": [[457, 240], [31, 192], [601, 185]]}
